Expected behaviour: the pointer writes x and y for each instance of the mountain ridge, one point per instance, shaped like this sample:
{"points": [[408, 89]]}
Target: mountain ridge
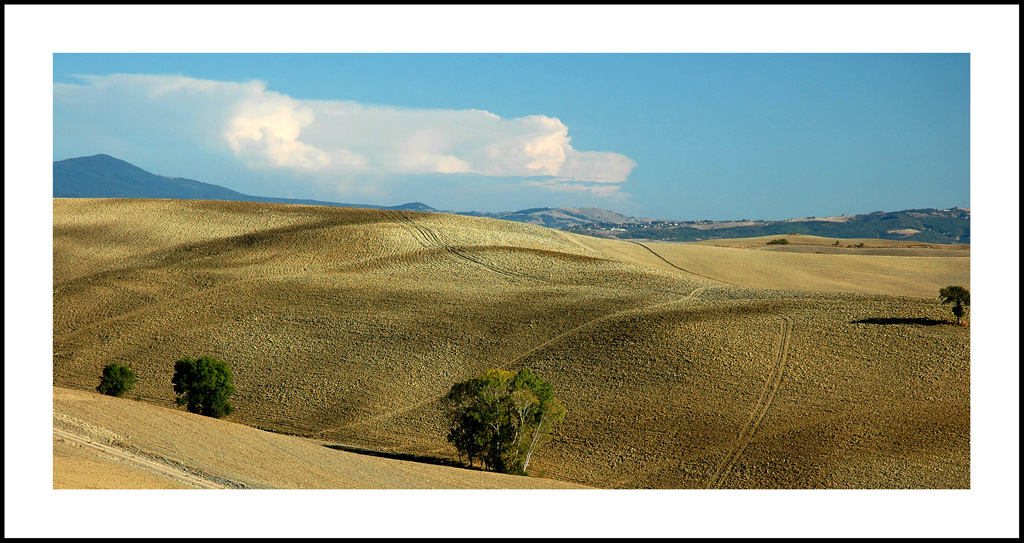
{"points": [[104, 176]]}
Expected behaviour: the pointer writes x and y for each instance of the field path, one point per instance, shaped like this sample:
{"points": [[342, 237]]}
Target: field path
{"points": [[693, 293], [179, 474], [771, 388], [663, 259], [536, 348], [430, 240]]}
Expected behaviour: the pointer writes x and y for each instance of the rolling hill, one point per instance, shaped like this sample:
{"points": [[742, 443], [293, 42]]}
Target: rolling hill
{"points": [[104, 442], [678, 368], [103, 176]]}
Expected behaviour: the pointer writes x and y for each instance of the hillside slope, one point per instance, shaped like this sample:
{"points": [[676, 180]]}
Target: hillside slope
{"points": [[347, 325], [139, 439]]}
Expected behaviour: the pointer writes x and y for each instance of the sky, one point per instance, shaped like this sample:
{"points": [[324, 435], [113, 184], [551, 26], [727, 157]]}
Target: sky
{"points": [[864, 111], [661, 135]]}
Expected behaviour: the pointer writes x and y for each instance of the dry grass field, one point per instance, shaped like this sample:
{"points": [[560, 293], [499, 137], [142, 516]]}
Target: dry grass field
{"points": [[680, 365], [104, 442]]}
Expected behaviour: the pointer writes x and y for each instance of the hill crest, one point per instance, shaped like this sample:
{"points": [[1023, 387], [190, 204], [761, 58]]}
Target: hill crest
{"points": [[103, 176]]}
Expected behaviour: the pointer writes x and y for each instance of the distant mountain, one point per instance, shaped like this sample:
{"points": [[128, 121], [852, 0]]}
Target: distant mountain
{"points": [[103, 176], [943, 226], [560, 217]]}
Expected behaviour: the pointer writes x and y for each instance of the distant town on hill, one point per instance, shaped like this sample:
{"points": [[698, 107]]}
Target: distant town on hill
{"points": [[941, 226], [103, 176]]}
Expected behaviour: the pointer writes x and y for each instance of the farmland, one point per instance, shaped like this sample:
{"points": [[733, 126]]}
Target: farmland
{"points": [[680, 365]]}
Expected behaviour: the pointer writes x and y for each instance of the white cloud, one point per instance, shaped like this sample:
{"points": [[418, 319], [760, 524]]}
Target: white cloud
{"points": [[268, 130], [265, 129], [595, 190]]}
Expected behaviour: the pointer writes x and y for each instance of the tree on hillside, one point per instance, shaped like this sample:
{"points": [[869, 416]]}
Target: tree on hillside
{"points": [[117, 380], [958, 296], [203, 385], [501, 418]]}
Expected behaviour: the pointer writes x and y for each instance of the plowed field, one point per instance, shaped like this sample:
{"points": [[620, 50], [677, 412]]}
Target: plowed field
{"points": [[680, 365]]}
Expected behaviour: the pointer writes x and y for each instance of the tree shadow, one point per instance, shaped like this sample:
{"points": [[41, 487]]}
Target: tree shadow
{"points": [[408, 457], [902, 320]]}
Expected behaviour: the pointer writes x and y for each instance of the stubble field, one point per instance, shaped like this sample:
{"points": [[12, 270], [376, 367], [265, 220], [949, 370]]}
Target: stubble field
{"points": [[680, 365]]}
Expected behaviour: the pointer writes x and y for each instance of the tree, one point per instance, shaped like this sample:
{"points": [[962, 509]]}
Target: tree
{"points": [[501, 418], [117, 380], [203, 385], [958, 296]]}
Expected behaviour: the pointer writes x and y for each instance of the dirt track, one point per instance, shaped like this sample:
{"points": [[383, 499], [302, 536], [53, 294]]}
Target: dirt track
{"points": [[101, 438], [135, 460], [771, 388]]}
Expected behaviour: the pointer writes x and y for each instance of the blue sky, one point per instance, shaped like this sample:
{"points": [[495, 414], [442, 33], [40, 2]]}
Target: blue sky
{"points": [[662, 135]]}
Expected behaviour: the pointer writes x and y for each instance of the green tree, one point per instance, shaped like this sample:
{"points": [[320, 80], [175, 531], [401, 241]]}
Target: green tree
{"points": [[203, 385], [117, 380], [958, 296], [501, 418]]}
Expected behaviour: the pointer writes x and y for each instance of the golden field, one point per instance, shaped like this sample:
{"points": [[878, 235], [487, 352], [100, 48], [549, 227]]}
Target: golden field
{"points": [[680, 365]]}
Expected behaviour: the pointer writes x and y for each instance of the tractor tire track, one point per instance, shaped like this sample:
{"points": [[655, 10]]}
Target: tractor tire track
{"points": [[430, 240], [533, 350], [425, 236], [562, 336], [181, 474], [663, 259], [771, 388]]}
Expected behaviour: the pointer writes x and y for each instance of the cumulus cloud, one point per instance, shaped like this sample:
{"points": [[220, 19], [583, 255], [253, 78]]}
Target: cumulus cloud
{"points": [[595, 190], [269, 130]]}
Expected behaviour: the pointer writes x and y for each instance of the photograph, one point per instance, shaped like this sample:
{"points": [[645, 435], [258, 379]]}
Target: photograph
{"points": [[512, 284]]}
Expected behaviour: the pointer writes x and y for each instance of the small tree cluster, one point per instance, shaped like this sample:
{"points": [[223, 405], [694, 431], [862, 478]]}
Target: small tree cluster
{"points": [[501, 418], [203, 386], [780, 241], [958, 296], [117, 380]]}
